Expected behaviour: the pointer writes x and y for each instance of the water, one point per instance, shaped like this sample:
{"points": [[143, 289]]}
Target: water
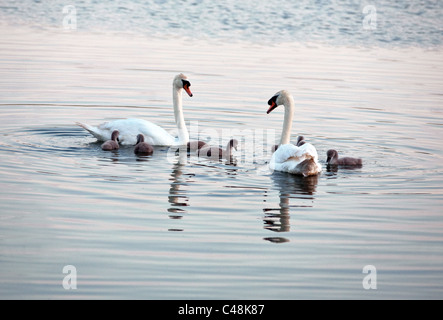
{"points": [[398, 23], [166, 227]]}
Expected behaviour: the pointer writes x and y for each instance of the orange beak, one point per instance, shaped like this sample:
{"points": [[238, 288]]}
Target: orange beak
{"points": [[273, 105], [188, 91]]}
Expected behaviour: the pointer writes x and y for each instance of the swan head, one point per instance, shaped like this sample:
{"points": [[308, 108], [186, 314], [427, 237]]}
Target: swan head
{"points": [[282, 97], [181, 82]]}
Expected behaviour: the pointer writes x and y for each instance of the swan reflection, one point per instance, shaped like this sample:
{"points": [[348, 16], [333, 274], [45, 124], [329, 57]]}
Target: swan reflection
{"points": [[292, 188], [177, 194]]}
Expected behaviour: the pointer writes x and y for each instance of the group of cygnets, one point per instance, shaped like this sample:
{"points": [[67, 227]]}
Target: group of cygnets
{"points": [[205, 150], [300, 158], [201, 148], [141, 147]]}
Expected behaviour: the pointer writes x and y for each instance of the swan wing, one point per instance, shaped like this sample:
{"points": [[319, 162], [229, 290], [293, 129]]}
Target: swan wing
{"points": [[100, 135], [289, 158], [288, 152], [129, 129]]}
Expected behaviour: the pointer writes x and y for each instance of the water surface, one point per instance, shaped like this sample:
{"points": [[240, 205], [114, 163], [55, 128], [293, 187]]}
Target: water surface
{"points": [[168, 227]]}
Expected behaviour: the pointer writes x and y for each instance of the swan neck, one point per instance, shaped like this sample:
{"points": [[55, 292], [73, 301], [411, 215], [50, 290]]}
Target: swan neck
{"points": [[183, 134], [287, 124]]}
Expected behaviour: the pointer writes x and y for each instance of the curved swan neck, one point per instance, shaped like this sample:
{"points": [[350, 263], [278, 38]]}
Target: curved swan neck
{"points": [[287, 124], [183, 134]]}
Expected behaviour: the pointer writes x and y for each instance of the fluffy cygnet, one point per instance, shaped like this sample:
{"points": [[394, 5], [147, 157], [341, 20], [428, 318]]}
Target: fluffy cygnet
{"points": [[142, 147], [333, 159], [219, 153], [113, 143]]}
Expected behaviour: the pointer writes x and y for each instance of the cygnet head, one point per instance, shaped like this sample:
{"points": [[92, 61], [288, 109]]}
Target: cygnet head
{"points": [[331, 155], [300, 141], [282, 97], [233, 143], [114, 135], [140, 138], [181, 82]]}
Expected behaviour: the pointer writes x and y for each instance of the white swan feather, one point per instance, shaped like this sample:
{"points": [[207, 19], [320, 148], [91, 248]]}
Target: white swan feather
{"points": [[154, 134], [300, 160]]}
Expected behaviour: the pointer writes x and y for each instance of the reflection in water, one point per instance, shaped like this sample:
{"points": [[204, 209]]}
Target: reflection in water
{"points": [[277, 219], [331, 168], [334, 168], [177, 197], [232, 161], [142, 157], [114, 155]]}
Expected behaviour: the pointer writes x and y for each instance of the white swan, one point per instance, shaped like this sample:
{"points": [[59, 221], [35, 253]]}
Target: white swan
{"points": [[303, 159], [154, 135]]}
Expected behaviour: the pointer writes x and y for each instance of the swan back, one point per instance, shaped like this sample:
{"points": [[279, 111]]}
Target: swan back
{"points": [[296, 160], [130, 128]]}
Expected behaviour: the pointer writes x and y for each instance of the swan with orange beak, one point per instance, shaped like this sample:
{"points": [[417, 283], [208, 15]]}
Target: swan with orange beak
{"points": [[301, 159]]}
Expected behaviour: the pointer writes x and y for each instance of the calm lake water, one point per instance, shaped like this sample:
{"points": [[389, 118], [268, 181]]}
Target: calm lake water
{"points": [[174, 227]]}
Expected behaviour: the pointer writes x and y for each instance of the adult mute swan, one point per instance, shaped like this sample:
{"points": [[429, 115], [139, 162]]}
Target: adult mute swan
{"points": [[154, 135], [301, 159]]}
